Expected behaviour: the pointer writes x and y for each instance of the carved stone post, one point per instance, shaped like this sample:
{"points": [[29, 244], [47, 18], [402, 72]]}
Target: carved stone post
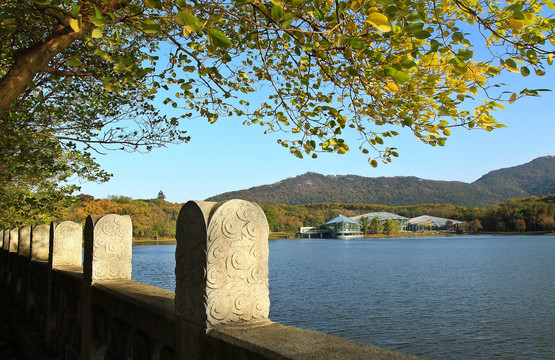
{"points": [[221, 270], [14, 240], [40, 242], [12, 258], [6, 242], [66, 239], [24, 241], [23, 262], [4, 256], [65, 249], [108, 248]]}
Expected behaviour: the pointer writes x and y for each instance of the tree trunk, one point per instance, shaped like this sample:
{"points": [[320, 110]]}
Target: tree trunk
{"points": [[33, 60]]}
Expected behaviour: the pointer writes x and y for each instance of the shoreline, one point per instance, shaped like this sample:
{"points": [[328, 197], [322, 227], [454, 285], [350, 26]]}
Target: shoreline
{"points": [[291, 236]]}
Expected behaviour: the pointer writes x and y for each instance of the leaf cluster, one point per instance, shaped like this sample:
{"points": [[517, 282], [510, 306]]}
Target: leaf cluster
{"points": [[81, 77]]}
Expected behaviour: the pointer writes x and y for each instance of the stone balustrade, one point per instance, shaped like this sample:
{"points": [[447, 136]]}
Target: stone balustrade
{"points": [[87, 307]]}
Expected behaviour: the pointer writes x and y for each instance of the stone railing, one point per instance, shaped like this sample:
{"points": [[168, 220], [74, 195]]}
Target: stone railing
{"points": [[87, 307]]}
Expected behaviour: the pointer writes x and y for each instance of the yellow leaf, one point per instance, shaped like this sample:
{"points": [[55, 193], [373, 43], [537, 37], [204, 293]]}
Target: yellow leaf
{"points": [[75, 24], [512, 99], [187, 30], [516, 24], [512, 69], [96, 33], [392, 87], [380, 21]]}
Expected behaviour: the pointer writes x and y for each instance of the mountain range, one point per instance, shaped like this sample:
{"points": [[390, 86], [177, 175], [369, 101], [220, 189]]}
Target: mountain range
{"points": [[535, 178]]}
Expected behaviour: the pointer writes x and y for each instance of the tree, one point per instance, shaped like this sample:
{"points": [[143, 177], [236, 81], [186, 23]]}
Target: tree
{"points": [[81, 76], [376, 226], [161, 195], [520, 225], [365, 224], [546, 222], [475, 226], [392, 227]]}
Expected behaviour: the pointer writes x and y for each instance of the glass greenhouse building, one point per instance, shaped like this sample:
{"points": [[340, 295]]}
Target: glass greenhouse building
{"points": [[342, 227]]}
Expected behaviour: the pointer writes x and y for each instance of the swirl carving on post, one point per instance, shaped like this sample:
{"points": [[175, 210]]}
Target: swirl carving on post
{"points": [[66, 248], [221, 263], [39, 242], [237, 264], [24, 241], [14, 239], [111, 248]]}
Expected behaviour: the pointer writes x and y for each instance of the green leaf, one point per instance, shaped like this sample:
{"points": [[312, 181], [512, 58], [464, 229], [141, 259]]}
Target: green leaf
{"points": [[119, 68], [149, 28], [96, 21], [153, 4], [510, 63], [277, 12], [524, 71], [75, 10], [518, 15], [352, 71], [400, 77], [465, 55], [190, 20], [434, 45], [422, 34], [443, 111], [373, 163], [407, 63], [73, 61], [42, 2], [319, 13], [218, 38], [457, 37]]}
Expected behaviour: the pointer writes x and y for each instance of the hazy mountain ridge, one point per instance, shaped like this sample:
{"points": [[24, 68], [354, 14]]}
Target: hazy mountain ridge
{"points": [[536, 178]]}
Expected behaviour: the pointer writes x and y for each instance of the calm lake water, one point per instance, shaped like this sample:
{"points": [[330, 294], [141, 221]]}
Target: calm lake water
{"points": [[460, 297]]}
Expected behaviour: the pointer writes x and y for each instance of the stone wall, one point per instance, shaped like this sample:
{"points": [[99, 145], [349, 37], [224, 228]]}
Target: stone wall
{"points": [[87, 307]]}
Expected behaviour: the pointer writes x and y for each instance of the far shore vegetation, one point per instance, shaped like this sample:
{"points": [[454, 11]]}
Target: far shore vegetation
{"points": [[154, 219]]}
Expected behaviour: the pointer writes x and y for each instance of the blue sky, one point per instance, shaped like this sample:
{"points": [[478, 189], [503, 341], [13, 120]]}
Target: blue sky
{"points": [[228, 156]]}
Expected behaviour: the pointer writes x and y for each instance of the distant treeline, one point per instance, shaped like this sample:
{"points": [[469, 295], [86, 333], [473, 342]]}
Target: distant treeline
{"points": [[156, 217], [151, 218], [529, 214]]}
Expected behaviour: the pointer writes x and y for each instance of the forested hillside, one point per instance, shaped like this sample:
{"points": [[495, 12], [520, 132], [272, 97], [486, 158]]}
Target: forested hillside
{"points": [[156, 217], [536, 178]]}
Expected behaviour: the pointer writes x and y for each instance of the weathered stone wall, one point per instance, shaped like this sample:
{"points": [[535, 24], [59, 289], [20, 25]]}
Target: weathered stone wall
{"points": [[86, 306]]}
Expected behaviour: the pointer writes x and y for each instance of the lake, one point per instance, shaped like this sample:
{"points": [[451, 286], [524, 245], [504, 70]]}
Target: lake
{"points": [[442, 297]]}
